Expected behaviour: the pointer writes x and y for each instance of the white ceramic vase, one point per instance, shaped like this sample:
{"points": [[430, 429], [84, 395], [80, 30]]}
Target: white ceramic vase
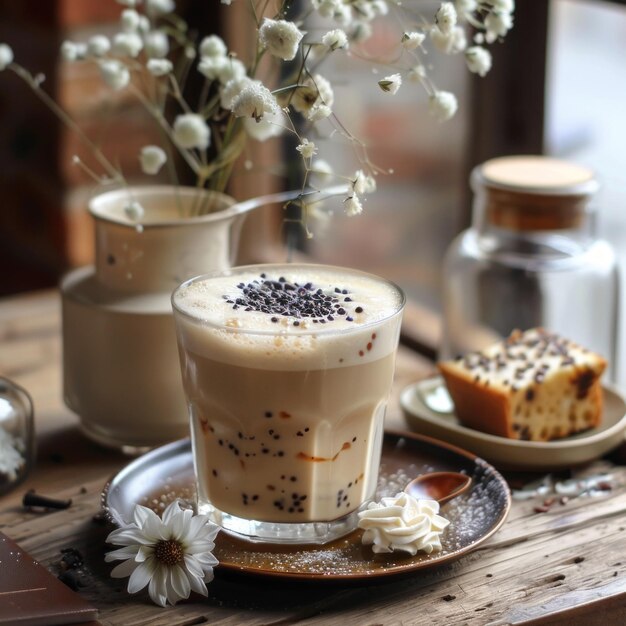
{"points": [[121, 370]]}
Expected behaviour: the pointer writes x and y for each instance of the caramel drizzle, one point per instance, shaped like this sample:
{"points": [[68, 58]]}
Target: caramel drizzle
{"points": [[321, 459]]}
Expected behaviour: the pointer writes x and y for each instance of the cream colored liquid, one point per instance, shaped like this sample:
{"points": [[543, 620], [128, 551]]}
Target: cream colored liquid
{"points": [[285, 446]]}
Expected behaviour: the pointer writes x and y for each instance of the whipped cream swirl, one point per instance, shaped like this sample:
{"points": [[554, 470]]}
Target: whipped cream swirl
{"points": [[403, 523]]}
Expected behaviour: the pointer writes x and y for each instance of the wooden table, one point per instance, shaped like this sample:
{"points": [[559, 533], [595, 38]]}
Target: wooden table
{"points": [[565, 565]]}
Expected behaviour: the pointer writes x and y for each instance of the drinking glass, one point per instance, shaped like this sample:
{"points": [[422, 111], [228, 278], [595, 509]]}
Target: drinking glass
{"points": [[287, 409]]}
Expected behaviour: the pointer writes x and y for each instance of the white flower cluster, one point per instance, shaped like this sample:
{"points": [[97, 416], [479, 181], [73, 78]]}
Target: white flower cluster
{"points": [[235, 105]]}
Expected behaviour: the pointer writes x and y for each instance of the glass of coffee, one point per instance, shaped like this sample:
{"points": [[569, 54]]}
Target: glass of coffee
{"points": [[287, 370]]}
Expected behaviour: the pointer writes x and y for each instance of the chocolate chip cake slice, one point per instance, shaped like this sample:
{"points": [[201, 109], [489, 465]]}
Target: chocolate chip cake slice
{"points": [[534, 386]]}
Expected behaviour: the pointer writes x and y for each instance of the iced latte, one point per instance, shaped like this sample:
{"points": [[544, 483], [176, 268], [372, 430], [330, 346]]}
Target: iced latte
{"points": [[287, 370]]}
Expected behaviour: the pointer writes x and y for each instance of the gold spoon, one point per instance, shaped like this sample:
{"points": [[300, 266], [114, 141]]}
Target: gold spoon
{"points": [[440, 486]]}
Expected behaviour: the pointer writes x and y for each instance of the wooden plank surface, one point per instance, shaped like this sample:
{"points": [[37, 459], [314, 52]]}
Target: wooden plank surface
{"points": [[567, 565]]}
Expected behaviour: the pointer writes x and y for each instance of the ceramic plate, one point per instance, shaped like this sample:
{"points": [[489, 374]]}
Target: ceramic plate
{"points": [[512, 453], [158, 477]]}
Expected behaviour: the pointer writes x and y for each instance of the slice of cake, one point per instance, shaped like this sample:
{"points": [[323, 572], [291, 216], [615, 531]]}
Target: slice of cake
{"points": [[534, 386]]}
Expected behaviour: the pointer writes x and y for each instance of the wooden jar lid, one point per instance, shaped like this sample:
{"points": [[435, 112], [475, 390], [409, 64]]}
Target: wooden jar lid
{"points": [[534, 192]]}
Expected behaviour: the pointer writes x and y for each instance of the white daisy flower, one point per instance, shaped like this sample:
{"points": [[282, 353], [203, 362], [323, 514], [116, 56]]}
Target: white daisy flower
{"points": [[280, 38], [159, 67], [442, 105], [152, 159], [307, 149], [6, 56], [98, 46], [390, 84], [171, 556], [114, 73], [191, 131]]}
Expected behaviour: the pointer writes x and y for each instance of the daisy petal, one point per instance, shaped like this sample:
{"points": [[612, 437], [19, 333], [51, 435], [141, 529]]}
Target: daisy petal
{"points": [[124, 569], [197, 585], [140, 577], [180, 582], [127, 552]]}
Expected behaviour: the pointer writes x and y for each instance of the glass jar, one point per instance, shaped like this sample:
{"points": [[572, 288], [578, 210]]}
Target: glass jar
{"points": [[530, 259], [17, 437]]}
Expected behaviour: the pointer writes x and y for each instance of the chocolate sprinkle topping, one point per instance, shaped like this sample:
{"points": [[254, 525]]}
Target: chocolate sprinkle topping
{"points": [[283, 298]]}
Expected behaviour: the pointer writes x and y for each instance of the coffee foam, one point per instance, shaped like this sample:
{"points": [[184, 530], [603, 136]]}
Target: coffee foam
{"points": [[213, 329]]}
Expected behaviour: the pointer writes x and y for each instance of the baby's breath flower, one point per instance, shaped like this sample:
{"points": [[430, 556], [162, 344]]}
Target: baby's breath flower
{"points": [[114, 73], [144, 25], [497, 24], [364, 10], [272, 124], [451, 43], [221, 68], [417, 73], [361, 31], [506, 6], [129, 20], [322, 170], [390, 84], [213, 46], [98, 46], [318, 112], [254, 101], [159, 7], [446, 17], [326, 8], [379, 7], [231, 90], [313, 92], [412, 40], [363, 183], [159, 67], [281, 38], [127, 44], [307, 149], [442, 105], [156, 44], [171, 555], [465, 7], [72, 51], [6, 56], [134, 211], [191, 131], [152, 159], [478, 60], [352, 205], [335, 39]]}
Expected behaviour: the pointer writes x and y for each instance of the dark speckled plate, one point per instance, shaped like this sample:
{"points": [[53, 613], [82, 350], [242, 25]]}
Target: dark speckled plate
{"points": [[158, 477]]}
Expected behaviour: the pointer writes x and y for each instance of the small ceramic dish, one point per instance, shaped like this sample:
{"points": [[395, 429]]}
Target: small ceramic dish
{"points": [[430, 417]]}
